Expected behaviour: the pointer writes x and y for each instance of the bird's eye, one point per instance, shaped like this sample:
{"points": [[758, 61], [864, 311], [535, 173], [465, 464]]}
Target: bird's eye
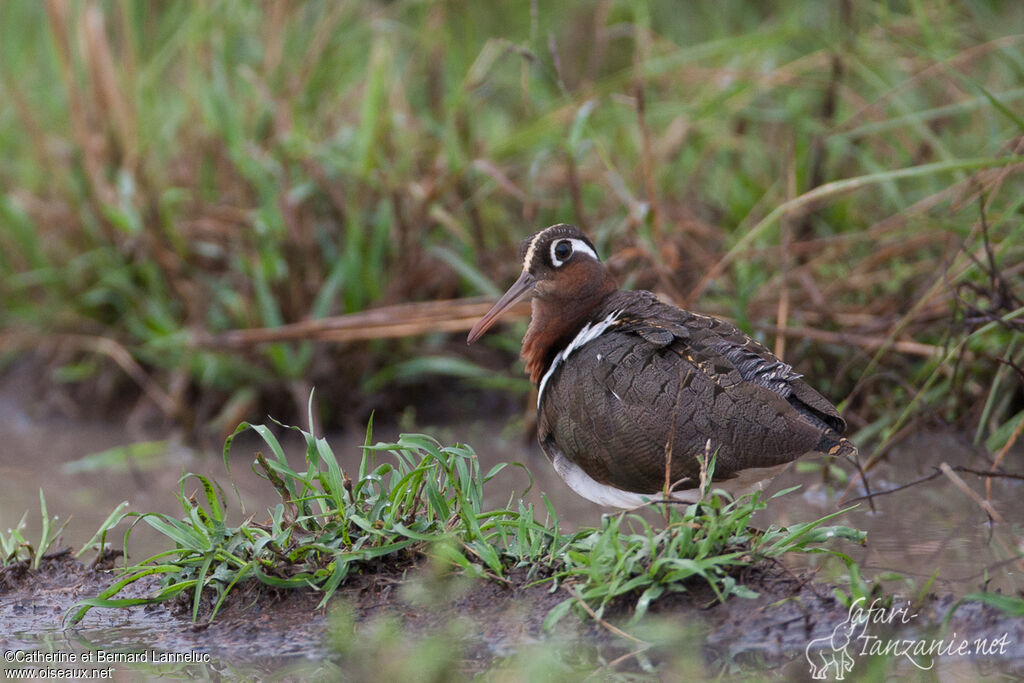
{"points": [[563, 250]]}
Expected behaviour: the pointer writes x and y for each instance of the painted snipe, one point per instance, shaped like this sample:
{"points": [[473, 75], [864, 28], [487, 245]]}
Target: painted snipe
{"points": [[632, 390]]}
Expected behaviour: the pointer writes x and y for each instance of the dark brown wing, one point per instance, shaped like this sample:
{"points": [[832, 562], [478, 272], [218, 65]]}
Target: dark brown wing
{"points": [[753, 361], [609, 407]]}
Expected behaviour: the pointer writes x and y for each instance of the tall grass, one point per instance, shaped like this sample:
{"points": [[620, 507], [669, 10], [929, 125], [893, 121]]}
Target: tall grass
{"points": [[818, 171]]}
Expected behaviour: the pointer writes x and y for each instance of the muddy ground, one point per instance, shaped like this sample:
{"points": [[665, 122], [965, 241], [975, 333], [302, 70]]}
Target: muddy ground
{"points": [[262, 630], [480, 625]]}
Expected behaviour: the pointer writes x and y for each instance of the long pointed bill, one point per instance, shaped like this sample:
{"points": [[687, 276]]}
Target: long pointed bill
{"points": [[517, 291]]}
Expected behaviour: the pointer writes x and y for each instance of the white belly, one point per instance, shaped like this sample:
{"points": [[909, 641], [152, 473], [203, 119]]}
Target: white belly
{"points": [[746, 481]]}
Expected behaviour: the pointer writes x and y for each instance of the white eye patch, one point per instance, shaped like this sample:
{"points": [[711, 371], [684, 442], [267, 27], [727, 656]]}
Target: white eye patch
{"points": [[574, 245]]}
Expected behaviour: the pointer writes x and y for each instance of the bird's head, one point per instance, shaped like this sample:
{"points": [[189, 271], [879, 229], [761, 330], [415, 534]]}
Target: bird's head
{"points": [[560, 268]]}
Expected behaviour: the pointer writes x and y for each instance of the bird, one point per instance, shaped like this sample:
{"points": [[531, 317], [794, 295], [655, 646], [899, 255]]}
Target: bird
{"points": [[633, 393]]}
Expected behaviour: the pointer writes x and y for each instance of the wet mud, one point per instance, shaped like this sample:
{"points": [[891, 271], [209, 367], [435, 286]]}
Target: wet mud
{"points": [[932, 534], [263, 630]]}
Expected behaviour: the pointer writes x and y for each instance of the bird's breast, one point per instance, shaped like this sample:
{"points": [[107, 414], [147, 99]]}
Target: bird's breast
{"points": [[587, 334]]}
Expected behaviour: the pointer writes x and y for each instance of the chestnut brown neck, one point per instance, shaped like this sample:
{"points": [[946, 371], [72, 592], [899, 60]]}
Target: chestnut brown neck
{"points": [[556, 319]]}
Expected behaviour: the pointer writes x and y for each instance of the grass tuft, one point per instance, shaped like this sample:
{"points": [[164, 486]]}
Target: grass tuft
{"points": [[416, 497], [627, 557], [16, 547]]}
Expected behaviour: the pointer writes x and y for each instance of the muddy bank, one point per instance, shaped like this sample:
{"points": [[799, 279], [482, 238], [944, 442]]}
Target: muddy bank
{"points": [[483, 625]]}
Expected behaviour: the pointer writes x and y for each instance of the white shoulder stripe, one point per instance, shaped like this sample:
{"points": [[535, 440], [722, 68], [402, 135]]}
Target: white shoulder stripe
{"points": [[587, 334]]}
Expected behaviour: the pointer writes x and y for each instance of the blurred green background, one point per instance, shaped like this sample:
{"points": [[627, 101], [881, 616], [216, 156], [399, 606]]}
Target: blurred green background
{"points": [[842, 176]]}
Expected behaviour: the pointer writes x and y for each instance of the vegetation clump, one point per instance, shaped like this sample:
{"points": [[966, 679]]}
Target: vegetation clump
{"points": [[414, 498]]}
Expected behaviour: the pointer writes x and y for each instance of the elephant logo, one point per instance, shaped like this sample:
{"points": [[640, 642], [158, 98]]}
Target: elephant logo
{"points": [[832, 652]]}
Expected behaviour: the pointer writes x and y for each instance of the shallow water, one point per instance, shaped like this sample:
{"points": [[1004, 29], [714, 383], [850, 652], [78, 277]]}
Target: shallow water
{"points": [[932, 527]]}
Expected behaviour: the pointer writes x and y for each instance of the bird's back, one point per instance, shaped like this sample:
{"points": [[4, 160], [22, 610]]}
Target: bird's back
{"points": [[658, 378]]}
